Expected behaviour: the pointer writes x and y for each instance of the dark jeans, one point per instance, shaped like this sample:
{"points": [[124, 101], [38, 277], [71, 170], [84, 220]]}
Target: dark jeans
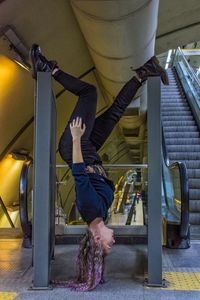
{"points": [[97, 130]]}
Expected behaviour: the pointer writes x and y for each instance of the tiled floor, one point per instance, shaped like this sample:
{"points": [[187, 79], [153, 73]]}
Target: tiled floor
{"points": [[124, 273]]}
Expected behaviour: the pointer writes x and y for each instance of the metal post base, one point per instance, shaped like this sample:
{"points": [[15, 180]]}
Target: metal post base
{"points": [[40, 288], [158, 285]]}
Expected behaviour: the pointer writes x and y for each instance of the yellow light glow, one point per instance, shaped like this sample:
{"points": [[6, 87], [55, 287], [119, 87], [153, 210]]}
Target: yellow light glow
{"points": [[6, 162], [9, 169], [9, 164], [8, 72]]}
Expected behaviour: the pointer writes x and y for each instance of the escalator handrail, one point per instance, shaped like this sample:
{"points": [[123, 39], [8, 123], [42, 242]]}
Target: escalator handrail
{"points": [[23, 198], [188, 65], [184, 188]]}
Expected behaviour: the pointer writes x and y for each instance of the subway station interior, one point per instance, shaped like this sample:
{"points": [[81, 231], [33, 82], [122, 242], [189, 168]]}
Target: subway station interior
{"points": [[152, 155]]}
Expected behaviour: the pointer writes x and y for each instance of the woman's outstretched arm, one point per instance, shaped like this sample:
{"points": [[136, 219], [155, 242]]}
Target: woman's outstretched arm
{"points": [[77, 130]]}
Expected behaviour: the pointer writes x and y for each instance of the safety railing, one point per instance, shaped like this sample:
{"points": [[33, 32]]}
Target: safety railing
{"points": [[25, 202], [176, 200], [189, 81], [131, 184]]}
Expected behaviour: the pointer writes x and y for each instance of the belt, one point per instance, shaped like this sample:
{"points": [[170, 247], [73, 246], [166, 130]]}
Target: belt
{"points": [[98, 169]]}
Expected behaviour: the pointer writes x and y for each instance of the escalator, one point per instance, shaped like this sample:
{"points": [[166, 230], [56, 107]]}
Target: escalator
{"points": [[182, 139]]}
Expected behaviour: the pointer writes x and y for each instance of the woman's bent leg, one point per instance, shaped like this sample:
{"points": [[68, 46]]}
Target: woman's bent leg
{"points": [[105, 123], [86, 109]]}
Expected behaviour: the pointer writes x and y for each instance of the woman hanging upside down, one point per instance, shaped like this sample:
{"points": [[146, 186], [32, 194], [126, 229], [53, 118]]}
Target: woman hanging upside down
{"points": [[82, 138]]}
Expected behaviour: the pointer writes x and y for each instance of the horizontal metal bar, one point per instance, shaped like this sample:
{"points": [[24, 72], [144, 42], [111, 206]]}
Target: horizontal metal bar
{"points": [[113, 166], [128, 230], [125, 166]]}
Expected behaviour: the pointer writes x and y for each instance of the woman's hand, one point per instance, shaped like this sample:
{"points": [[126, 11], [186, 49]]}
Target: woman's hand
{"points": [[77, 130]]}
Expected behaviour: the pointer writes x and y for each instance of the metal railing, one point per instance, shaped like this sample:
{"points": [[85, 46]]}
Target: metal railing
{"points": [[189, 81], [182, 216], [23, 204]]}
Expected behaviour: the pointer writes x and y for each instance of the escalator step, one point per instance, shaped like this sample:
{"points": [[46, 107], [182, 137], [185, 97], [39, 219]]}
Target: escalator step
{"points": [[195, 232], [183, 148], [177, 118], [170, 88], [182, 134], [194, 183], [182, 141], [194, 194], [178, 123], [172, 98], [180, 128], [195, 206], [192, 164], [194, 218], [172, 109], [193, 173], [171, 92], [174, 113], [184, 156], [174, 102], [174, 105]]}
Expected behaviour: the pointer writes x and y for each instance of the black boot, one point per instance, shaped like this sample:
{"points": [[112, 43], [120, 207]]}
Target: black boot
{"points": [[39, 62], [152, 68]]}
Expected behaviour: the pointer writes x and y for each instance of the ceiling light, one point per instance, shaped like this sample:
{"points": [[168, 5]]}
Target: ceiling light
{"points": [[168, 58], [12, 46]]}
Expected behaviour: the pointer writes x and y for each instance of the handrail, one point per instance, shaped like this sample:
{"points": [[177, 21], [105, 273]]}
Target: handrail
{"points": [[113, 166], [189, 82], [23, 205], [188, 65], [184, 226], [6, 213]]}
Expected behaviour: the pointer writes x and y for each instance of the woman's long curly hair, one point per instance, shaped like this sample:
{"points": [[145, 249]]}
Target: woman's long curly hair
{"points": [[89, 266]]}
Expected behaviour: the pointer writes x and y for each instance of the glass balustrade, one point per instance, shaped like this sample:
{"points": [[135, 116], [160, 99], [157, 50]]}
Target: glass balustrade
{"points": [[189, 79], [130, 202], [171, 193]]}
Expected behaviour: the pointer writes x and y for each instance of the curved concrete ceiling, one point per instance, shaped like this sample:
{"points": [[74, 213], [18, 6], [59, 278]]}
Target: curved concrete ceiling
{"points": [[118, 36]]}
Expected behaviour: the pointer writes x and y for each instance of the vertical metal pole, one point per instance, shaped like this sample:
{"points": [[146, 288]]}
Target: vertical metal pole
{"points": [[154, 183], [52, 175], [42, 182]]}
